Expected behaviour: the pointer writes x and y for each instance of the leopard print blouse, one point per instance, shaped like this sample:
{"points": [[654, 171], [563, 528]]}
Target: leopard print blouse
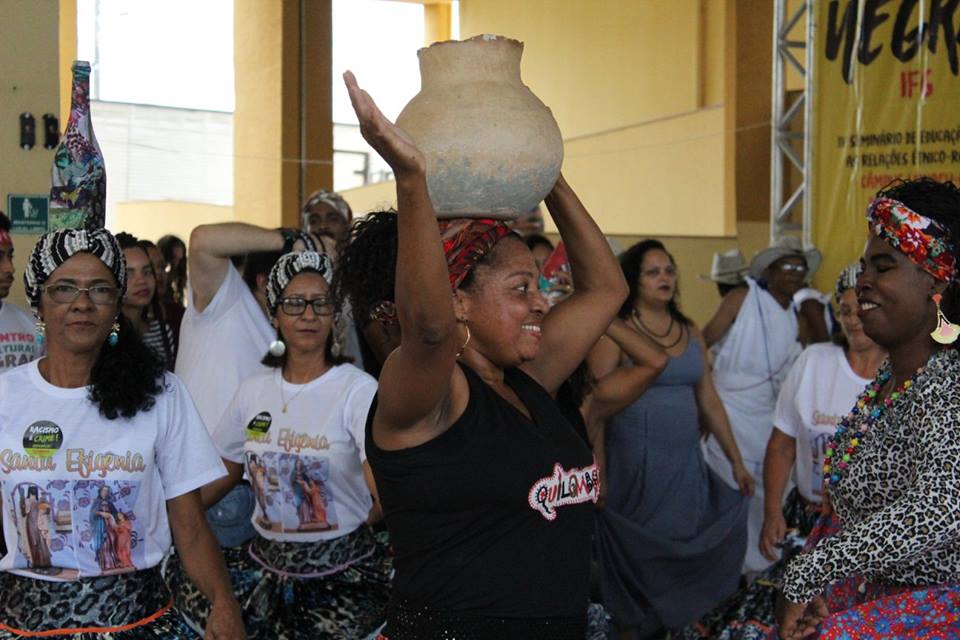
{"points": [[899, 501]]}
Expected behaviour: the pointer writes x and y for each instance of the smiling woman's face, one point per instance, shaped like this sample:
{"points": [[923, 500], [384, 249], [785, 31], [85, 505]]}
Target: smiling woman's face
{"points": [[895, 296]]}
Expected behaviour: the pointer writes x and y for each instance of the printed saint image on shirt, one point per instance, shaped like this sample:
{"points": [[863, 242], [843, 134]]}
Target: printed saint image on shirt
{"points": [[110, 537], [42, 515], [308, 501], [262, 471]]}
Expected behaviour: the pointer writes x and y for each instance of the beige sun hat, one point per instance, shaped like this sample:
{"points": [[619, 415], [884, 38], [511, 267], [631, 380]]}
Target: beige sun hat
{"points": [[728, 267], [785, 247]]}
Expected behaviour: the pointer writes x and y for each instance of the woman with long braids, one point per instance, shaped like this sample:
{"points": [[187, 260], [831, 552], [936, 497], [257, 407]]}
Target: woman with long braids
{"points": [[315, 569], [100, 428], [141, 305], [487, 491], [672, 536], [888, 562]]}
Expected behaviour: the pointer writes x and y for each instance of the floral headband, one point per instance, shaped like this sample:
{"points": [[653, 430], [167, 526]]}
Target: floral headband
{"points": [[926, 242]]}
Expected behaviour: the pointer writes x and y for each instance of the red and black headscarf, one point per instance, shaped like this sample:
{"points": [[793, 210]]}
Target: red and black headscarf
{"points": [[466, 241]]}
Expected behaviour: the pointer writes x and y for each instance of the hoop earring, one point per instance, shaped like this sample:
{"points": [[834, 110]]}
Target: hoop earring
{"points": [[40, 328], [946, 332], [114, 336], [465, 342]]}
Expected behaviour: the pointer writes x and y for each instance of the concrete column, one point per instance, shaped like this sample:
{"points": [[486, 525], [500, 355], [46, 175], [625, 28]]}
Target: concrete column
{"points": [[283, 134]]}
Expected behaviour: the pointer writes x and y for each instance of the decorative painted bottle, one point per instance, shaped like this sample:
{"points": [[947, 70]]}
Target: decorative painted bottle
{"points": [[78, 190], [493, 149]]}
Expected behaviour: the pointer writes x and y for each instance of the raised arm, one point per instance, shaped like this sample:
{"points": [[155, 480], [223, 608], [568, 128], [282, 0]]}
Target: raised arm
{"points": [[416, 377], [726, 313], [617, 386], [574, 325], [211, 246]]}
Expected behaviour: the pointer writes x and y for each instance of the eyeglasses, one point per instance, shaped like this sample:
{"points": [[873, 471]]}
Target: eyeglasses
{"points": [[67, 293], [297, 306], [788, 267]]}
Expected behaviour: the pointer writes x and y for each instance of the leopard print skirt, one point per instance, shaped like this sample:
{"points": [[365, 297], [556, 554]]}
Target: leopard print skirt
{"points": [[288, 590], [130, 606]]}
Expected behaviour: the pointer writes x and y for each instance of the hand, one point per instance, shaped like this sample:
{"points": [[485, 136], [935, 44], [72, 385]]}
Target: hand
{"points": [[744, 480], [390, 141], [225, 621], [789, 617], [774, 530]]}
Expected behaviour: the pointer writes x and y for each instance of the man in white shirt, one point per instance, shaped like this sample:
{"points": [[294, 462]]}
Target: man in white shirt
{"points": [[225, 333], [18, 340]]}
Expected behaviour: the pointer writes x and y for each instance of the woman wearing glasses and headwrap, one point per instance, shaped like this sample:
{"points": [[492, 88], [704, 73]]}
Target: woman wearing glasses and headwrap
{"points": [[98, 417], [888, 565], [315, 570]]}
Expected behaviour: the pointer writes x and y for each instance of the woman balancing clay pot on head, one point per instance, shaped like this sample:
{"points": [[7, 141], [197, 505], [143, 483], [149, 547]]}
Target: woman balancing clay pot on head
{"points": [[668, 524], [888, 564], [105, 431], [315, 569], [486, 489]]}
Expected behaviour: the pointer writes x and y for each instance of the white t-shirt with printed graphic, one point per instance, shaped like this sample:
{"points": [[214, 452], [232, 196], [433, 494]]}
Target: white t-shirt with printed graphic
{"points": [[86, 496], [819, 391], [305, 464], [222, 345], [18, 340]]}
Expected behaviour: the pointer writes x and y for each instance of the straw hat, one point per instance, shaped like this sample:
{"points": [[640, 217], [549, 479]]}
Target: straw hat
{"points": [[728, 267], [785, 247]]}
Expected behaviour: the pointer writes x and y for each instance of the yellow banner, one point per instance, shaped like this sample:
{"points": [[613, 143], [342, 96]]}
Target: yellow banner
{"points": [[886, 105]]}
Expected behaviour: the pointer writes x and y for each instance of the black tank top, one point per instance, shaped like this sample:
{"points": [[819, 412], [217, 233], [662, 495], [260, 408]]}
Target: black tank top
{"points": [[493, 517]]}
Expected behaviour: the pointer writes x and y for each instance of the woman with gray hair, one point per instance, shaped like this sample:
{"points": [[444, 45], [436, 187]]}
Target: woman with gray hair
{"points": [[315, 568]]}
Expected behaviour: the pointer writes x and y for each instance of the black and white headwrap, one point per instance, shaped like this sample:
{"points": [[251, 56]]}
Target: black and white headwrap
{"points": [[847, 279], [288, 266], [56, 247]]}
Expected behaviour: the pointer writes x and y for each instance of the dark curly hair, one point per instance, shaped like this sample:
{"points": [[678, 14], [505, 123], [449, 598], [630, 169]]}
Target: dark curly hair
{"points": [[938, 201], [367, 265], [631, 262], [4, 222], [127, 377]]}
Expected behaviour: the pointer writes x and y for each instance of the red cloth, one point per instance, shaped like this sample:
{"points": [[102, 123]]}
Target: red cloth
{"points": [[466, 241]]}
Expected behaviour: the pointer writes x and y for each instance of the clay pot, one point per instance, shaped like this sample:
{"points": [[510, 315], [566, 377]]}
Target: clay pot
{"points": [[492, 148]]}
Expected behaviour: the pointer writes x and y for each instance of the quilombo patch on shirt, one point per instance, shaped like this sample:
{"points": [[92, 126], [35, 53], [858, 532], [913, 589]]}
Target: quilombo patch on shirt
{"points": [[564, 487], [85, 496], [305, 464]]}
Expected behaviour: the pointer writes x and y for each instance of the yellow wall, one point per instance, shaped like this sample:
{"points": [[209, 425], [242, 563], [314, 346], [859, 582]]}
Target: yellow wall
{"points": [[29, 60], [664, 106], [283, 133], [152, 219]]}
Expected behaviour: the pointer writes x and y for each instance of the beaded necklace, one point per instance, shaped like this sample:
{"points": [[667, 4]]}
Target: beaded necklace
{"points": [[868, 407]]}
